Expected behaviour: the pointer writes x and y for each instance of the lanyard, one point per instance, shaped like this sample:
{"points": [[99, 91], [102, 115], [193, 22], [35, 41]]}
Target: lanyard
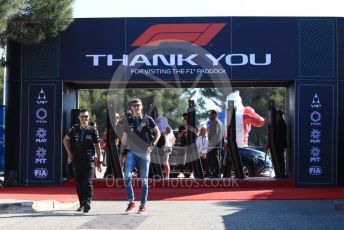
{"points": [[137, 122], [82, 135], [203, 140]]}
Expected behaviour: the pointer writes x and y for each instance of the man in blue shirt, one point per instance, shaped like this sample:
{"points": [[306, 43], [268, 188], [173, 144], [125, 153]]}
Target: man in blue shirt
{"points": [[139, 141]]}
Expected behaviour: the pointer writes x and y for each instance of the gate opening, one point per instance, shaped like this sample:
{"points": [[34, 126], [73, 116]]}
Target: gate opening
{"points": [[172, 103]]}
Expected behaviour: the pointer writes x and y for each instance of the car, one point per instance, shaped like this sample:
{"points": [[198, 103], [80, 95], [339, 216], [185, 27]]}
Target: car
{"points": [[255, 163]]}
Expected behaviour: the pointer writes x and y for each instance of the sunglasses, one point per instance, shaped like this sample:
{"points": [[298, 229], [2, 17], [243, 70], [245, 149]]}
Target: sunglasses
{"points": [[136, 105], [84, 116]]}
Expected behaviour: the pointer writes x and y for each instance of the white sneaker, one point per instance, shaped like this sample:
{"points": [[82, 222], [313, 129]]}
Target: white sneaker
{"points": [[181, 175], [134, 174], [192, 176]]}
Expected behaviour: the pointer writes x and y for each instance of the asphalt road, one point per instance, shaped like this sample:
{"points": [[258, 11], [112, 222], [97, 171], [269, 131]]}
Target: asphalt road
{"points": [[167, 215]]}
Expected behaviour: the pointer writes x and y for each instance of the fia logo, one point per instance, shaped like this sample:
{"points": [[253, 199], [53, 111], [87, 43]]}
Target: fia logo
{"points": [[41, 173], [315, 170], [41, 99]]}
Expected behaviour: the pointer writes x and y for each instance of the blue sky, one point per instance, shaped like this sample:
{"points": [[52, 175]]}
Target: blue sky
{"points": [[161, 8]]}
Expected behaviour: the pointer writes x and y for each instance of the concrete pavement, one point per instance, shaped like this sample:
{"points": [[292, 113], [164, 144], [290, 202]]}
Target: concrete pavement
{"points": [[267, 214]]}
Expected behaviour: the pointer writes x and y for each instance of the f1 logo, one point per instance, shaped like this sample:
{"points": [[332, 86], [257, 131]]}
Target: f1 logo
{"points": [[197, 34]]}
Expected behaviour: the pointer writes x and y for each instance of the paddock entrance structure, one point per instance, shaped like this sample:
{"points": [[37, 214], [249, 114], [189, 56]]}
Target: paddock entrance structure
{"points": [[304, 54]]}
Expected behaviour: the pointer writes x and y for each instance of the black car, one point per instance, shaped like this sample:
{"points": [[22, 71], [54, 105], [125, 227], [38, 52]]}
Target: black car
{"points": [[255, 163]]}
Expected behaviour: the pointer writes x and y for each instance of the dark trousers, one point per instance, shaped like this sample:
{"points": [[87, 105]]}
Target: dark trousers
{"points": [[204, 166], [213, 160], [84, 172], [228, 166], [280, 158], [187, 162], [109, 168]]}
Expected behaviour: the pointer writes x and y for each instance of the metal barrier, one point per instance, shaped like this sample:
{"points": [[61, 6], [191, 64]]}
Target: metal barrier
{"points": [[231, 140], [272, 141]]}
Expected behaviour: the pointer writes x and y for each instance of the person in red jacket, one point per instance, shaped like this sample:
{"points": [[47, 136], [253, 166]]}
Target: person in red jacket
{"points": [[245, 117]]}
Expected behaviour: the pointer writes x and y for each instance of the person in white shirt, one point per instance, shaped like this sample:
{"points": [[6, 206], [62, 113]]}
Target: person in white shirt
{"points": [[202, 143], [170, 140], [162, 124]]}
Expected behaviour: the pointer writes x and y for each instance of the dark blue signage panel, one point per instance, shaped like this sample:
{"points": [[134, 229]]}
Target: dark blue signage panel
{"points": [[315, 135], [214, 48], [85, 37], [276, 38], [41, 133]]}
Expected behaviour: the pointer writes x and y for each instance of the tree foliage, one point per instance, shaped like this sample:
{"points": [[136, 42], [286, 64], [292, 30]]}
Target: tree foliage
{"points": [[170, 103], [31, 21], [1, 85], [8, 9]]}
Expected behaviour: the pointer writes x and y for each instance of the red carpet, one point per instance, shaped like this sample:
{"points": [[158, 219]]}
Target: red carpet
{"points": [[227, 194], [254, 182], [181, 190]]}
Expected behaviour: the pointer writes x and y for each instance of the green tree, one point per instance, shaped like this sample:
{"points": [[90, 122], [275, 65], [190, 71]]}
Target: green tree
{"points": [[95, 101], [8, 8], [1, 85], [215, 95], [31, 21], [170, 103]]}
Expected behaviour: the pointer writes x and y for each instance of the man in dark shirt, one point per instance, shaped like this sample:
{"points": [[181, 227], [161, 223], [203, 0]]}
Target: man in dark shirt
{"points": [[81, 142], [281, 140], [182, 139], [215, 136], [137, 138]]}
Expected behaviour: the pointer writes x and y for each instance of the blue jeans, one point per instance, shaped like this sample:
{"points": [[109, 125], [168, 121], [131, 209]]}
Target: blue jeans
{"points": [[143, 161]]}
